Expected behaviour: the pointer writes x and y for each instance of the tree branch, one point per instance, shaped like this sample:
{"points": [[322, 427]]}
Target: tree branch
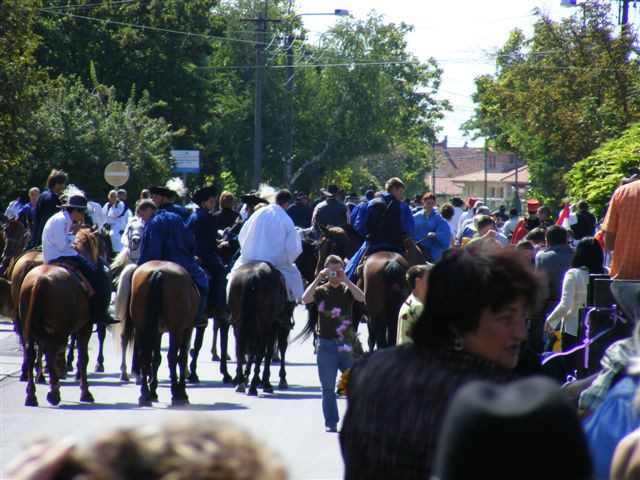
{"points": [[327, 144]]}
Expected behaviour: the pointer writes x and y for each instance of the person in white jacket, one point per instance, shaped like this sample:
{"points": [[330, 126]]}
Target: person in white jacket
{"points": [[115, 212], [587, 260]]}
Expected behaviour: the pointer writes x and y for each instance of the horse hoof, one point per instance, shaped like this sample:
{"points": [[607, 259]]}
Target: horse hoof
{"points": [[78, 377], [215, 357], [41, 380], [24, 377], [240, 388], [87, 397], [144, 402], [53, 398], [253, 392], [124, 377], [267, 388], [179, 402], [227, 379], [193, 378], [99, 368], [153, 398], [283, 384], [31, 401]]}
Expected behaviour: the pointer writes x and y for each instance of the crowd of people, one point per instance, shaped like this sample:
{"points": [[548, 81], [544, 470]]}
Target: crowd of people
{"points": [[495, 288]]}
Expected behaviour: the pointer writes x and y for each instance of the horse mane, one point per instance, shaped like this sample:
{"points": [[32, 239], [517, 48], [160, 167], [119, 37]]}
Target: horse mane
{"points": [[87, 244], [121, 259]]}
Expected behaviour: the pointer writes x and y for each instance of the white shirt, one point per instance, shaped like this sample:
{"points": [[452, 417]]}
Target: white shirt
{"points": [[117, 218], [574, 296], [269, 235], [454, 223], [56, 239], [510, 226]]}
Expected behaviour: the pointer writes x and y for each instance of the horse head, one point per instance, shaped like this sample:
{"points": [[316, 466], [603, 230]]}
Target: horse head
{"points": [[14, 236], [134, 238], [86, 244]]}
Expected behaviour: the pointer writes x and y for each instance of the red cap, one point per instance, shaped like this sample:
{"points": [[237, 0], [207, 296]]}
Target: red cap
{"points": [[532, 205], [471, 201]]}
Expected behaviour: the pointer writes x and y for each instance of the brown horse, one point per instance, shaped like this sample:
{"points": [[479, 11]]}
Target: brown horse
{"points": [[52, 305], [341, 241], [257, 299], [14, 239], [385, 289], [163, 299]]}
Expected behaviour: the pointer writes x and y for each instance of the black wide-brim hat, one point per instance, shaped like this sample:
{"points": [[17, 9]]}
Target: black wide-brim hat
{"points": [[502, 431], [160, 190], [75, 201], [331, 191], [203, 193], [252, 199]]}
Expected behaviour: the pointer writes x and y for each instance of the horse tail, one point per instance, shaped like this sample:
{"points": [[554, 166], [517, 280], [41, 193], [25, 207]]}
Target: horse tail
{"points": [[310, 327], [121, 306], [154, 309], [33, 311], [247, 324], [121, 259], [394, 275]]}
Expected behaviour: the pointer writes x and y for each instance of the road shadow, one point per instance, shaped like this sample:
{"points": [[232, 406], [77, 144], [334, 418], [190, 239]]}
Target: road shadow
{"points": [[208, 384], [304, 388], [97, 406], [296, 364], [209, 407], [280, 395]]}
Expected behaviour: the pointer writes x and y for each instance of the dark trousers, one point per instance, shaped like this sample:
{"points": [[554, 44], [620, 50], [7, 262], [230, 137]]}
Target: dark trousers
{"points": [[97, 277]]}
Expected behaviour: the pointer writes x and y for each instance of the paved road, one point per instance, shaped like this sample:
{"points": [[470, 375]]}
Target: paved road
{"points": [[289, 423]]}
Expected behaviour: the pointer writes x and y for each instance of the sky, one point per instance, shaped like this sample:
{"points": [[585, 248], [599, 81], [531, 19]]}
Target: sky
{"points": [[459, 34]]}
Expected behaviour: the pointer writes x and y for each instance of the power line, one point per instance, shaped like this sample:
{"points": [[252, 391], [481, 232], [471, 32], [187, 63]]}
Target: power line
{"points": [[146, 27], [89, 5], [321, 65]]}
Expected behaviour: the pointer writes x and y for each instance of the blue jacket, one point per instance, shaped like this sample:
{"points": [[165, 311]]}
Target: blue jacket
{"points": [[177, 209], [204, 228], [167, 238], [362, 218], [433, 223], [46, 207], [300, 214]]}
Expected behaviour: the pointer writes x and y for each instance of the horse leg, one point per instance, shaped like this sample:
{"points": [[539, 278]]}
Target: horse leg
{"points": [[239, 380], [145, 369], [224, 348], [195, 351], [83, 362], [372, 333], [40, 369], [214, 344], [172, 359], [70, 356], [266, 384], [53, 397], [283, 340], [157, 358], [29, 364], [123, 363], [102, 333], [136, 370], [259, 354], [183, 355]]}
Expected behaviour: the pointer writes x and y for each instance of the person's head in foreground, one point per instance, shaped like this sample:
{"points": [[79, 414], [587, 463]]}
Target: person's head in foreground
{"points": [[477, 303], [496, 431], [197, 448]]}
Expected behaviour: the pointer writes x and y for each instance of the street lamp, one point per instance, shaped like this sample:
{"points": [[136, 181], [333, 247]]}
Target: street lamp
{"points": [[288, 138]]}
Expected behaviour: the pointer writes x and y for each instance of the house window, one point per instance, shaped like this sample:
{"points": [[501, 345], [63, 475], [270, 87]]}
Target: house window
{"points": [[492, 161], [493, 192], [500, 192]]}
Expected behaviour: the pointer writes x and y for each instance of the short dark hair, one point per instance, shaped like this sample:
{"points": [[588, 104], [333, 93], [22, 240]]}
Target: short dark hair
{"points": [[544, 210], [392, 183], [589, 254], [447, 211], [416, 271], [428, 196], [536, 235], [57, 177], [556, 235], [284, 196], [513, 212], [583, 205], [462, 284], [144, 205], [485, 221]]}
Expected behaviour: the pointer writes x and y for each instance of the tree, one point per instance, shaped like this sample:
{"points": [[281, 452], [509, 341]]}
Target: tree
{"points": [[82, 130], [18, 79], [559, 94], [596, 177]]}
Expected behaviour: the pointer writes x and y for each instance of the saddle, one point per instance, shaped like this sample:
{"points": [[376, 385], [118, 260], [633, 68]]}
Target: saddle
{"points": [[77, 275]]}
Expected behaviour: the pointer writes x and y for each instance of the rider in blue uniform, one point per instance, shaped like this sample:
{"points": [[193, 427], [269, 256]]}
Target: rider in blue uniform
{"points": [[204, 228], [384, 222], [167, 238], [162, 196]]}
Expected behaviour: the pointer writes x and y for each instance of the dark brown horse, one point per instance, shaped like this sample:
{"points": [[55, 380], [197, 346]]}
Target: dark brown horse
{"points": [[163, 299], [52, 305], [342, 241], [257, 298], [14, 239], [384, 283]]}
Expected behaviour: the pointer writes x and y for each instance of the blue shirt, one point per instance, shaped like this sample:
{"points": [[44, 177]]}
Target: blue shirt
{"points": [[167, 238], [204, 228], [177, 209], [362, 217], [432, 223]]}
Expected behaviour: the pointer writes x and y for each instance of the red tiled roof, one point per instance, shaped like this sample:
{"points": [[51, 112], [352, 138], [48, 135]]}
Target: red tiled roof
{"points": [[445, 186], [507, 177]]}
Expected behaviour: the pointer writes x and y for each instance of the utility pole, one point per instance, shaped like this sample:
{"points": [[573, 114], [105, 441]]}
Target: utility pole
{"points": [[257, 119], [624, 14], [485, 171], [288, 125]]}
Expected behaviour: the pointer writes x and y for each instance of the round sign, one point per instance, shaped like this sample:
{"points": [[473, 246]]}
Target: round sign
{"points": [[116, 173]]}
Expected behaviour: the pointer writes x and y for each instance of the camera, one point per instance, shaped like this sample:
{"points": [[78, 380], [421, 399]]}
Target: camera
{"points": [[332, 273]]}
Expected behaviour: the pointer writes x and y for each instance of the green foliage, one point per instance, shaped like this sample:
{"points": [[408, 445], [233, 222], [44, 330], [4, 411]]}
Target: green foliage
{"points": [[595, 177], [81, 131], [559, 94], [18, 78]]}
